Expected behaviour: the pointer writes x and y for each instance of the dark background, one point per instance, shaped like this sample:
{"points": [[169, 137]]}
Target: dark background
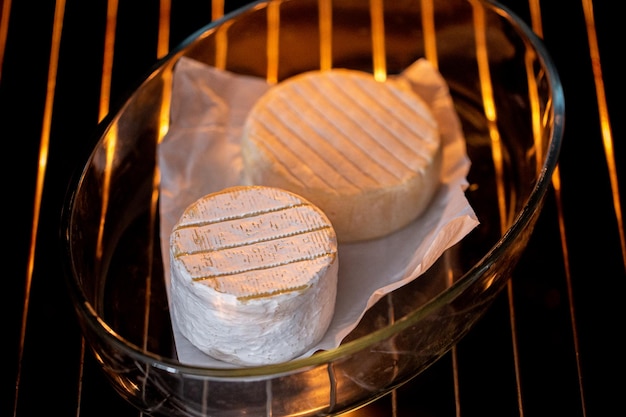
{"points": [[567, 291]]}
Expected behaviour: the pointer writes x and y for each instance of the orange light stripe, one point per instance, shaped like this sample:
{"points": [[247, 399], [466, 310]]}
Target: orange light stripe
{"points": [[162, 50], [377, 16], [536, 120], [217, 9], [535, 16], [44, 147], [107, 62], [221, 45], [556, 184], [428, 28], [497, 155], [273, 29], [4, 29], [490, 108], [163, 36], [104, 108], [605, 124], [221, 36], [326, 34], [431, 54], [105, 98]]}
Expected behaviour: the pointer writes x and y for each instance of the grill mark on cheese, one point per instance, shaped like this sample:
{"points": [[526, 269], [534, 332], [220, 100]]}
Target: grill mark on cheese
{"points": [[271, 293], [262, 282], [360, 130], [245, 227], [336, 138], [265, 282], [239, 200], [243, 215], [327, 148], [405, 107], [292, 143], [178, 254], [357, 129], [261, 268], [257, 255], [362, 99], [281, 156], [299, 128]]}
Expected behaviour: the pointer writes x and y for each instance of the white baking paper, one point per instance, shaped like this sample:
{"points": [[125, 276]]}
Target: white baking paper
{"points": [[201, 154]]}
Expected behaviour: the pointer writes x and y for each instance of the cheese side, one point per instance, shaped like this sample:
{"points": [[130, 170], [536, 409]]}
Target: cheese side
{"points": [[253, 275], [367, 153]]}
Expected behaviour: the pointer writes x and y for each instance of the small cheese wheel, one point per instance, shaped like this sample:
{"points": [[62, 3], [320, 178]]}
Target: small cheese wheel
{"points": [[367, 153], [253, 275]]}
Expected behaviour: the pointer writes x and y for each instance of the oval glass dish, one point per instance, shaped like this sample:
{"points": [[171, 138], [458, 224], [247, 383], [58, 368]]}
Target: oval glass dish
{"points": [[508, 96]]}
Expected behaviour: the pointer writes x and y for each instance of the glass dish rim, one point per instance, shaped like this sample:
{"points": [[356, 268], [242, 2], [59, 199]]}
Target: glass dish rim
{"points": [[99, 326]]}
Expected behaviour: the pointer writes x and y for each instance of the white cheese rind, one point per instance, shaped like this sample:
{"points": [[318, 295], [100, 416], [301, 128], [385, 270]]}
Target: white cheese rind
{"points": [[253, 275], [367, 153]]}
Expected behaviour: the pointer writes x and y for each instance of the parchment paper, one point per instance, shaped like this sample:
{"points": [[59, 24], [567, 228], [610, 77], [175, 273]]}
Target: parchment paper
{"points": [[201, 154]]}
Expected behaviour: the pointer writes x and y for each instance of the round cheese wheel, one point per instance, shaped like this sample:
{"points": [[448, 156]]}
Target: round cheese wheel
{"points": [[367, 153], [253, 275]]}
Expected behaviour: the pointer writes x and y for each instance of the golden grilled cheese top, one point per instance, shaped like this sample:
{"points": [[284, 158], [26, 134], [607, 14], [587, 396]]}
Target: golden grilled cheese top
{"points": [[367, 153]]}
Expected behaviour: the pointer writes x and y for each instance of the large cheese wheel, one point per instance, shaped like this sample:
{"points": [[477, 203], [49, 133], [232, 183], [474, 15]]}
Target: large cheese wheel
{"points": [[367, 153], [253, 275]]}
